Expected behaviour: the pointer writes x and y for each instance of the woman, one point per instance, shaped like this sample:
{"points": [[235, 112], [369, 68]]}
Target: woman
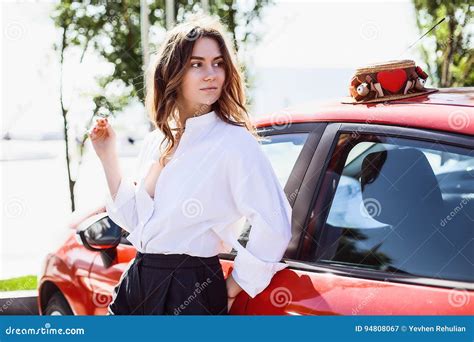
{"points": [[200, 173]]}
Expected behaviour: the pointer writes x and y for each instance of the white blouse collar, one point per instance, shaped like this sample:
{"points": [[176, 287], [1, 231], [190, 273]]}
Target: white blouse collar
{"points": [[201, 121]]}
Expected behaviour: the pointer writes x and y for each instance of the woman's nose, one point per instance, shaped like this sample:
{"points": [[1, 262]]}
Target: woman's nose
{"points": [[210, 74]]}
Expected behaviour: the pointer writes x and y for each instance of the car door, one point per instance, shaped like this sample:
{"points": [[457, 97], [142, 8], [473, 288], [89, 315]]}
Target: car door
{"points": [[386, 230]]}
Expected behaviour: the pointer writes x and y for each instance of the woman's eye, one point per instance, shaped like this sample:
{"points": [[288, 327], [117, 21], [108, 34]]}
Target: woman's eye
{"points": [[199, 64]]}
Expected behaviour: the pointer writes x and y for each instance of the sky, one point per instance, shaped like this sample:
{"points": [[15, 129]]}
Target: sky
{"points": [[297, 37], [336, 34]]}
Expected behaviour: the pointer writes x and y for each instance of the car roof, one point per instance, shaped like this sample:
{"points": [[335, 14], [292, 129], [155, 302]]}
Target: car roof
{"points": [[448, 109]]}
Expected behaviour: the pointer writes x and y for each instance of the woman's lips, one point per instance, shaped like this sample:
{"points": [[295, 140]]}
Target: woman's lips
{"points": [[209, 89]]}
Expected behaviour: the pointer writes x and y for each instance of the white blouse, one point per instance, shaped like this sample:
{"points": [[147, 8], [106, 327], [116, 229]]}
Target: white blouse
{"points": [[217, 177]]}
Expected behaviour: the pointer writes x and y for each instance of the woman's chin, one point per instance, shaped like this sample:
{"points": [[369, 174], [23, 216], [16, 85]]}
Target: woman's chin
{"points": [[209, 101]]}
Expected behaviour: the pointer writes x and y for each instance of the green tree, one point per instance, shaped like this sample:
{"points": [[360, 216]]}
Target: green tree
{"points": [[112, 30], [449, 54]]}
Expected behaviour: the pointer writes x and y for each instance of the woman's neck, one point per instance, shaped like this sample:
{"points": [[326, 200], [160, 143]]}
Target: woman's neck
{"points": [[186, 113]]}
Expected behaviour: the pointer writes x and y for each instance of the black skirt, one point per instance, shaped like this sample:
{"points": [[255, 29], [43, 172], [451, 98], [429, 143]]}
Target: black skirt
{"points": [[170, 284]]}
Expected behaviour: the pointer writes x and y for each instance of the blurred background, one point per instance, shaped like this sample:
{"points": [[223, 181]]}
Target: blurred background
{"points": [[65, 63]]}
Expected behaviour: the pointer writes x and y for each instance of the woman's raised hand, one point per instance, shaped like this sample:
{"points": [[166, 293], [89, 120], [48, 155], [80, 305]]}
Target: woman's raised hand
{"points": [[103, 138]]}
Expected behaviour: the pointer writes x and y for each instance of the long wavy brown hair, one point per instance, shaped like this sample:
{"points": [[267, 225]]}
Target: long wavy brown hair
{"points": [[165, 78]]}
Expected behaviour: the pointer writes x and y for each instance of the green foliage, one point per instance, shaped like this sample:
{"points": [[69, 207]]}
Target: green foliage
{"points": [[449, 53], [29, 282]]}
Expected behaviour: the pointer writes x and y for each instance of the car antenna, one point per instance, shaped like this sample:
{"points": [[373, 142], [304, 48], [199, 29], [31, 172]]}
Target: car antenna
{"points": [[431, 29]]}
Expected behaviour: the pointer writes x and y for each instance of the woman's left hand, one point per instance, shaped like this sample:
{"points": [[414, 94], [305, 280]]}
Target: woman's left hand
{"points": [[233, 289], [230, 301]]}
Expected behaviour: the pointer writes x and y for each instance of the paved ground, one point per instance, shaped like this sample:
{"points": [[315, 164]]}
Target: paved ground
{"points": [[18, 303]]}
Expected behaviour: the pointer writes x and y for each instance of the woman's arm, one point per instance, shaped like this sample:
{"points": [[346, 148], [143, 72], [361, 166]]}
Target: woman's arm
{"points": [[233, 289], [103, 140], [257, 196], [113, 174], [125, 205]]}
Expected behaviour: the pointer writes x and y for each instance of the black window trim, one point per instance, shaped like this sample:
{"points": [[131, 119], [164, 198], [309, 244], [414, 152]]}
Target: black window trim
{"points": [[311, 183], [350, 271]]}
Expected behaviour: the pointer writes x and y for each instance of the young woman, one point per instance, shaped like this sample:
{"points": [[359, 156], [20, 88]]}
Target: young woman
{"points": [[200, 174]]}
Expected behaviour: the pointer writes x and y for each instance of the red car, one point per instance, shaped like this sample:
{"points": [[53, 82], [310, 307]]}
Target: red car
{"points": [[383, 216]]}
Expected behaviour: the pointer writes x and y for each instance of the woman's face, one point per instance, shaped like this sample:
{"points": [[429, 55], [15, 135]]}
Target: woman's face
{"points": [[204, 77]]}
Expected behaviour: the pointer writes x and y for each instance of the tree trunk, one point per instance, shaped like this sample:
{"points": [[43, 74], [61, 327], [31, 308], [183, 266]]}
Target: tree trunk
{"points": [[446, 79], [64, 112]]}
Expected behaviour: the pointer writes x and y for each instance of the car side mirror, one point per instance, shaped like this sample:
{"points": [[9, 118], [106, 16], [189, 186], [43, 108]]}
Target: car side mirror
{"points": [[101, 235]]}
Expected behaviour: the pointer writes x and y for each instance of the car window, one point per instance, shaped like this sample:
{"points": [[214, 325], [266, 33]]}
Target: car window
{"points": [[282, 150], [400, 206]]}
